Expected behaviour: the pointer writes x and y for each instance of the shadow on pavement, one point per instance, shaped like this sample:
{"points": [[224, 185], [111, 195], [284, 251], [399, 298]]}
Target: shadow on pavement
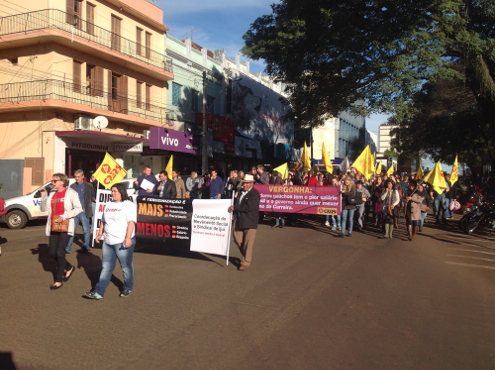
{"points": [[44, 258], [6, 361], [91, 264]]}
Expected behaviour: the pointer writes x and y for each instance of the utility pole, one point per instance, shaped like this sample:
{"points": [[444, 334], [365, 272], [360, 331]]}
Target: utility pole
{"points": [[204, 148]]}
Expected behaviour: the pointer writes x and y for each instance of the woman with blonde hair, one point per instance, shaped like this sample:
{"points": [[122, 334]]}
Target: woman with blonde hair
{"points": [[348, 206], [62, 206]]}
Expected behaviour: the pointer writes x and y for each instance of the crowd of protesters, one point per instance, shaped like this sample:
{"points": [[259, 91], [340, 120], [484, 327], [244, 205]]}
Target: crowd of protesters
{"points": [[383, 199]]}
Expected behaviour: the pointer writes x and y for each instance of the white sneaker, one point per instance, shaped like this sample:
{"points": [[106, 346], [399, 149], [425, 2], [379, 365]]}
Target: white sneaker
{"points": [[327, 223]]}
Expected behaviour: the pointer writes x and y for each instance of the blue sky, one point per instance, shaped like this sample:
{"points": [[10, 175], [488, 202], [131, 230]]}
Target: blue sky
{"points": [[220, 24]]}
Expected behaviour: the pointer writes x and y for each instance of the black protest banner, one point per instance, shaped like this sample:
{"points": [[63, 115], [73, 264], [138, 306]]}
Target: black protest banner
{"points": [[165, 220]]}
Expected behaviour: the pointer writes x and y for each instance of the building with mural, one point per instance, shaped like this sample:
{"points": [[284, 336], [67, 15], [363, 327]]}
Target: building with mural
{"points": [[244, 110], [66, 64]]}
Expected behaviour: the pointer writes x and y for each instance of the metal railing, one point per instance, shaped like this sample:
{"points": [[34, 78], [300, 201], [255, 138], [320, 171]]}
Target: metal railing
{"points": [[75, 26], [18, 92]]}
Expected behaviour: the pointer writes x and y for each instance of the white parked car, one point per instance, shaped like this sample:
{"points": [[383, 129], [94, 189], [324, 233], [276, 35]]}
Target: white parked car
{"points": [[22, 209]]}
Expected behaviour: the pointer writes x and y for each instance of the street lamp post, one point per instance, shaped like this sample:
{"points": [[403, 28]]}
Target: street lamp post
{"points": [[204, 149]]}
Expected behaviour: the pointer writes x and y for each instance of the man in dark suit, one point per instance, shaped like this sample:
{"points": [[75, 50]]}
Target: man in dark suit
{"points": [[165, 188], [245, 208]]}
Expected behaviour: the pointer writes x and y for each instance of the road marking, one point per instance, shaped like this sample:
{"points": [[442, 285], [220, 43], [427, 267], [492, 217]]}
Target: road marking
{"points": [[255, 305], [470, 250], [469, 265], [469, 257]]}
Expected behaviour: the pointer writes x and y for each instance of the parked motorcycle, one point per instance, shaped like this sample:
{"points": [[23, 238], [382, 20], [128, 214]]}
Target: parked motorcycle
{"points": [[482, 216]]}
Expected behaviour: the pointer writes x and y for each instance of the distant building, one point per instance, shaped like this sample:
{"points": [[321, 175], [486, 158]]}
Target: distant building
{"points": [[384, 137], [343, 136], [370, 139]]}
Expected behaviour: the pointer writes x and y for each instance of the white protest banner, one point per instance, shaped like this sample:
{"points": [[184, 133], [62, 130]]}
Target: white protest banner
{"points": [[211, 223]]}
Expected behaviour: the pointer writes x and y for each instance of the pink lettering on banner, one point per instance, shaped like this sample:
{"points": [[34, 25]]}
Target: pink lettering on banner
{"points": [[318, 200]]}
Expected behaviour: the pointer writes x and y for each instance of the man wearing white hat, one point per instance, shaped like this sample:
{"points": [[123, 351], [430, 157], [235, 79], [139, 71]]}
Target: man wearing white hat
{"points": [[245, 208]]}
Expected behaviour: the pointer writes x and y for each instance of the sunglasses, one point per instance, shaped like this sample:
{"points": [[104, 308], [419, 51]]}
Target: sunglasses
{"points": [[54, 181]]}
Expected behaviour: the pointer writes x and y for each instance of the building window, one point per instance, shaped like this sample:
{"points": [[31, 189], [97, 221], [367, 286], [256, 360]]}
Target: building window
{"points": [[73, 13], [116, 27], [139, 96], [139, 38], [115, 86], [176, 94], [148, 45], [210, 104], [76, 76], [90, 18], [195, 101], [148, 97]]}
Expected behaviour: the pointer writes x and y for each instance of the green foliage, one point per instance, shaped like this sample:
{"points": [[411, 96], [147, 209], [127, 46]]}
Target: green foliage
{"points": [[391, 153], [335, 53]]}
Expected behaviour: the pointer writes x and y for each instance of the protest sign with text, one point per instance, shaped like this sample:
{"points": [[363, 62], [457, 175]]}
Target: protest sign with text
{"points": [[319, 200]]}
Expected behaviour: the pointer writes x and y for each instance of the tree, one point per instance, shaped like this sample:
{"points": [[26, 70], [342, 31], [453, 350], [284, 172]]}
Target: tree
{"points": [[336, 53]]}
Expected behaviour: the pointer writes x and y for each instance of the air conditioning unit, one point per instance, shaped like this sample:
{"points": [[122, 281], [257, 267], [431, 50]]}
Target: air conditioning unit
{"points": [[83, 123], [146, 134]]}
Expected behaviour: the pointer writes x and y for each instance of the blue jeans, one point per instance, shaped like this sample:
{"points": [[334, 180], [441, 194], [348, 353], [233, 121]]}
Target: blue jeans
{"points": [[84, 221], [448, 212], [423, 218], [109, 257], [347, 215], [438, 205], [335, 220]]}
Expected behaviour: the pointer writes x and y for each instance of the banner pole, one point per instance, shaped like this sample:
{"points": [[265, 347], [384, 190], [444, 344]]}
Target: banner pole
{"points": [[230, 231]]}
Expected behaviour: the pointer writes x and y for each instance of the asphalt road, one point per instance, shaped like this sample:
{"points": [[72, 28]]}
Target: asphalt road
{"points": [[309, 301]]}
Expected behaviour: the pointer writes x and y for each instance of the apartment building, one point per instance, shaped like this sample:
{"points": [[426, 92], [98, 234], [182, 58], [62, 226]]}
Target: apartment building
{"points": [[244, 109], [65, 62]]}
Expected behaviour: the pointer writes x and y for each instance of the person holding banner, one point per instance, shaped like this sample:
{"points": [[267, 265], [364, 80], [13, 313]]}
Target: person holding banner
{"points": [[62, 206], [117, 232], [245, 209]]}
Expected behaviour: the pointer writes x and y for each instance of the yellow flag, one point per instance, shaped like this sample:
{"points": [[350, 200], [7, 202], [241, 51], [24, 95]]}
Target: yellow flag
{"points": [[169, 167], [109, 172], [327, 163], [419, 173], [454, 176], [364, 163], [305, 159], [379, 168], [283, 170], [390, 171], [436, 178], [373, 160]]}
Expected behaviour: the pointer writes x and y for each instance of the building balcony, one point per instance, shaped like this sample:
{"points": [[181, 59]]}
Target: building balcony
{"points": [[53, 25], [60, 95]]}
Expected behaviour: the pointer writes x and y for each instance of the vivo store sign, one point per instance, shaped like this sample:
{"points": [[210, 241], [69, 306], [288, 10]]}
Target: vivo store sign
{"points": [[175, 141]]}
